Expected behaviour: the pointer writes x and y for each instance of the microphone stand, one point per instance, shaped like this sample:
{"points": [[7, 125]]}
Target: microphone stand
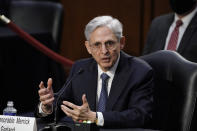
{"points": [[55, 126]]}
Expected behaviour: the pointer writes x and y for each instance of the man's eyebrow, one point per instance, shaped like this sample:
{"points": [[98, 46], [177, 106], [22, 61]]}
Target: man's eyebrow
{"points": [[97, 42], [110, 41]]}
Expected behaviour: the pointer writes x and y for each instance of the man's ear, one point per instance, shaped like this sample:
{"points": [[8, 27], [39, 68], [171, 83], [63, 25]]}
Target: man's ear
{"points": [[122, 42], [88, 47]]}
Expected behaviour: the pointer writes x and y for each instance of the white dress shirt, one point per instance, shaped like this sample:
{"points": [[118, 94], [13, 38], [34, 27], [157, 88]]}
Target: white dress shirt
{"points": [[111, 74], [186, 20]]}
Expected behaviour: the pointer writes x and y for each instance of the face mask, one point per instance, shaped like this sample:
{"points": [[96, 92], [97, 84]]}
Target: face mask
{"points": [[182, 6]]}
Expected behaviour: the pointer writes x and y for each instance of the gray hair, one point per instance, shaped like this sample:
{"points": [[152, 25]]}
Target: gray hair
{"points": [[108, 21]]}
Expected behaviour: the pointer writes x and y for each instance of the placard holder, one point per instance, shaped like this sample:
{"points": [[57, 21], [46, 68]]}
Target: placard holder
{"points": [[71, 127], [17, 123]]}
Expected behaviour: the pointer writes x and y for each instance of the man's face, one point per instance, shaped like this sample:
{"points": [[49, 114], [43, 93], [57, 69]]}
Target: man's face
{"points": [[104, 47]]}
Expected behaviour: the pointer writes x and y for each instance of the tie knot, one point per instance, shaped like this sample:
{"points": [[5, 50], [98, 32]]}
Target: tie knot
{"points": [[104, 76], [179, 23]]}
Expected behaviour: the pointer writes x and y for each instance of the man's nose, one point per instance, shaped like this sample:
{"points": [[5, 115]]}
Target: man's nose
{"points": [[104, 49]]}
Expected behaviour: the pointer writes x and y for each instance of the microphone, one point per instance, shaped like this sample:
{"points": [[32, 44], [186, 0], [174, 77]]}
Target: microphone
{"points": [[66, 126], [65, 86], [54, 126]]}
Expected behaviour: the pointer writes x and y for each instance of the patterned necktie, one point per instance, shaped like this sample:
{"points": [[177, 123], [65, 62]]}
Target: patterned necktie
{"points": [[103, 95], [174, 36]]}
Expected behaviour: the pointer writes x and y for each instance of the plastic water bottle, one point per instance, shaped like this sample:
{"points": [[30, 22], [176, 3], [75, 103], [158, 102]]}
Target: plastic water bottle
{"points": [[10, 110]]}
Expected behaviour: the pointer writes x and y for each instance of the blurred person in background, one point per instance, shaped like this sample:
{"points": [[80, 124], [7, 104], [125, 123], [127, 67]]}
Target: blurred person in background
{"points": [[176, 31]]}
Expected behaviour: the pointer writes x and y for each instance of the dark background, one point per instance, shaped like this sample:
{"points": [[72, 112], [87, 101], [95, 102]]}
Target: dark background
{"points": [[136, 16]]}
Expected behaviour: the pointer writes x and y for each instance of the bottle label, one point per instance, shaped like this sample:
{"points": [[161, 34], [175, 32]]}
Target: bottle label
{"points": [[9, 114]]}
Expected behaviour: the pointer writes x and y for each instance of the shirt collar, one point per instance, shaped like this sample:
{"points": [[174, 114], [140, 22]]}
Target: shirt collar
{"points": [[112, 70]]}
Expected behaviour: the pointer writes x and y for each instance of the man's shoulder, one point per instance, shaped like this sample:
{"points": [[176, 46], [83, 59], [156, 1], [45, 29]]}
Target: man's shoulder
{"points": [[163, 18], [83, 63], [137, 62], [141, 64]]}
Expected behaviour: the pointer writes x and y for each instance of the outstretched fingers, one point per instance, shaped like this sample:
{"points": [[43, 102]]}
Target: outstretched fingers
{"points": [[71, 110], [46, 94], [49, 84], [84, 99]]}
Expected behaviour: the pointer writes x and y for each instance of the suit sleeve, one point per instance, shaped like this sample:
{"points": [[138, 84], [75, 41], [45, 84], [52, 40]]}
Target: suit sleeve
{"points": [[150, 39]]}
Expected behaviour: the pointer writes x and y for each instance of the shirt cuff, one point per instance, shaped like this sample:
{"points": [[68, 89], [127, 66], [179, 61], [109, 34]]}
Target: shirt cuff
{"points": [[100, 119], [41, 112]]}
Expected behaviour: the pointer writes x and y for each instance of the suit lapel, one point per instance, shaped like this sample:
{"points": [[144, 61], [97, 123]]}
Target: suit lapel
{"points": [[119, 81], [91, 85], [188, 34]]}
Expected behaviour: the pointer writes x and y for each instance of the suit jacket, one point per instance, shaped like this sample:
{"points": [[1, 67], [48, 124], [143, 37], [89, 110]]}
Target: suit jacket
{"points": [[130, 100], [158, 33]]}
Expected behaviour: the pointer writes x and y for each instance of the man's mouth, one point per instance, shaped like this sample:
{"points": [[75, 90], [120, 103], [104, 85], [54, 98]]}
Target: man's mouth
{"points": [[105, 60]]}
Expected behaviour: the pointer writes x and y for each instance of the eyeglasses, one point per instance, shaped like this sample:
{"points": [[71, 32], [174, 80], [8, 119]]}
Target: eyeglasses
{"points": [[109, 45]]}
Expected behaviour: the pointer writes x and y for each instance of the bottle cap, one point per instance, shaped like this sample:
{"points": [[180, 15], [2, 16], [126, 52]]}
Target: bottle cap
{"points": [[10, 103]]}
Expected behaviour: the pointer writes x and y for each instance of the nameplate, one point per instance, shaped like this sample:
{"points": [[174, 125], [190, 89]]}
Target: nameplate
{"points": [[17, 123]]}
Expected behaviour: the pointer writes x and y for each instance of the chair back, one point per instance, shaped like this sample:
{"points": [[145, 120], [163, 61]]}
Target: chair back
{"points": [[175, 90], [42, 16]]}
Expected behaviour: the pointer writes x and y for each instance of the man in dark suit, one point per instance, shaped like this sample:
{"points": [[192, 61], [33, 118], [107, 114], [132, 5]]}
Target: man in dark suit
{"points": [[112, 89], [162, 27]]}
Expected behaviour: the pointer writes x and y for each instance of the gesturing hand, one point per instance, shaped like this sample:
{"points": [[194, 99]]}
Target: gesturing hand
{"points": [[46, 96], [77, 113]]}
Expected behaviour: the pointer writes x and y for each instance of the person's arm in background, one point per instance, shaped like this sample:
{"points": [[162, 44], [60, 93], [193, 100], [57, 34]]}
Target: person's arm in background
{"points": [[152, 36]]}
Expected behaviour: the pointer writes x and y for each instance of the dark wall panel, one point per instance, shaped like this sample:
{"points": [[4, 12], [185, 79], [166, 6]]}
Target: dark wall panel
{"points": [[136, 16]]}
